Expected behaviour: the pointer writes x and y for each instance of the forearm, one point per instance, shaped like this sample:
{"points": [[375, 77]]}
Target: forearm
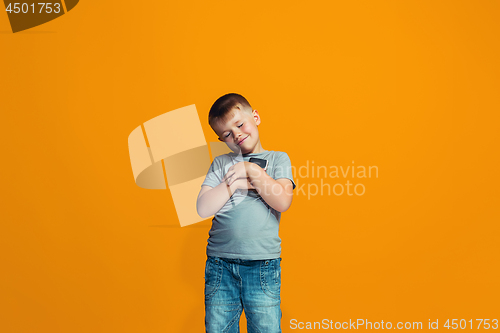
{"points": [[212, 201], [273, 193]]}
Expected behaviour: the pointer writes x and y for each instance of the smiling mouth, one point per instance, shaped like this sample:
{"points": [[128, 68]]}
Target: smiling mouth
{"points": [[239, 143]]}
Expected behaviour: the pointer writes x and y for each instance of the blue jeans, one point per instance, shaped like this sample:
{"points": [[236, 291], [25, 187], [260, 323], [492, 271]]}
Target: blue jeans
{"points": [[234, 285]]}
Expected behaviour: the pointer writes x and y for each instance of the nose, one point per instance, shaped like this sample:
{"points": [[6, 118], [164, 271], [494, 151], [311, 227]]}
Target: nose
{"points": [[237, 136]]}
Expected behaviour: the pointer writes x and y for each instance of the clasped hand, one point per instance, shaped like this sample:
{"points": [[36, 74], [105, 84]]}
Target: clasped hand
{"points": [[242, 173]]}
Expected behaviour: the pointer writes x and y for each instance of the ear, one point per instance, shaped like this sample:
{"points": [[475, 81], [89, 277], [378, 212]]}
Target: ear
{"points": [[256, 117]]}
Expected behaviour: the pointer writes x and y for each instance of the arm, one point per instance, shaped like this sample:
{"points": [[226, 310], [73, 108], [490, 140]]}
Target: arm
{"points": [[212, 199], [277, 193]]}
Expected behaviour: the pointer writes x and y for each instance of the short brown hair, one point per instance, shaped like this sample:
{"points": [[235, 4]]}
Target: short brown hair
{"points": [[223, 106]]}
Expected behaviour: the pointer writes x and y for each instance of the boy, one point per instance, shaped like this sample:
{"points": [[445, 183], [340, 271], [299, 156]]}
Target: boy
{"points": [[243, 270]]}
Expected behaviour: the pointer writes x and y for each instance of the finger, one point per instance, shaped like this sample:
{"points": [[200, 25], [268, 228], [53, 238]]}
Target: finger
{"points": [[228, 175]]}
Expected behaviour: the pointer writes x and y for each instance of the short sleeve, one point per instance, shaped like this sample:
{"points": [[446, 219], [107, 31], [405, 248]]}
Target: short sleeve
{"points": [[213, 177], [283, 167]]}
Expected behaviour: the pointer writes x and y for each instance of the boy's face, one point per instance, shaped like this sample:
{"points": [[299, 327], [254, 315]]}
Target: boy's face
{"points": [[239, 131]]}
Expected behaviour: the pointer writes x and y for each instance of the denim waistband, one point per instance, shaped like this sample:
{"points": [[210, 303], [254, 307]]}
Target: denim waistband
{"points": [[241, 261]]}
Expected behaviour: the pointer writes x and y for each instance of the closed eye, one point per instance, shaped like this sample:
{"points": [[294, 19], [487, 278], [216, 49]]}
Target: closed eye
{"points": [[227, 135]]}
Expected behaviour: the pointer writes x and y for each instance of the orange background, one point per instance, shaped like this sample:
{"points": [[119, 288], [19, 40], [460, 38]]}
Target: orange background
{"points": [[409, 86]]}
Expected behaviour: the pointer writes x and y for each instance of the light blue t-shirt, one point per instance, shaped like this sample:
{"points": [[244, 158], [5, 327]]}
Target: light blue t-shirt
{"points": [[246, 227]]}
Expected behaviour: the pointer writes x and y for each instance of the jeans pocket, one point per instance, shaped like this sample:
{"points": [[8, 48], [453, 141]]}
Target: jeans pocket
{"points": [[277, 274], [270, 277], [213, 275]]}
